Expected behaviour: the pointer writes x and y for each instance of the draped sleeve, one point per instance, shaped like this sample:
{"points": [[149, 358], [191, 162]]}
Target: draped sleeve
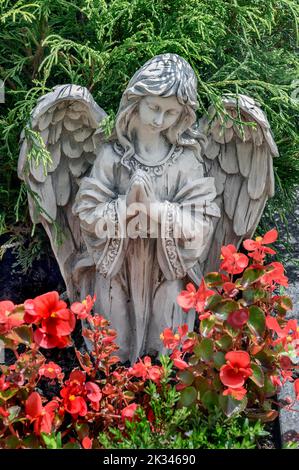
{"points": [[102, 213], [186, 218]]}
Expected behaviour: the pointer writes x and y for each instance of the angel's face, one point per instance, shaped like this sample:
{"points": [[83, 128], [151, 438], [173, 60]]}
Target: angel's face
{"points": [[158, 113]]}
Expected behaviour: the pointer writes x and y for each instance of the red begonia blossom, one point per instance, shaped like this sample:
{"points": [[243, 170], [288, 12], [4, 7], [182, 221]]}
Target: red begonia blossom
{"points": [[236, 370], [54, 320], [176, 356], [8, 318], [129, 412], [276, 275], [170, 339], [232, 261], [288, 334], [42, 416], [51, 371], [77, 392], [86, 442], [237, 393], [145, 370], [192, 298], [83, 309], [296, 388], [258, 248]]}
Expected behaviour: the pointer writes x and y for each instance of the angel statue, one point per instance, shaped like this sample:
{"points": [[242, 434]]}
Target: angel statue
{"points": [[147, 210]]}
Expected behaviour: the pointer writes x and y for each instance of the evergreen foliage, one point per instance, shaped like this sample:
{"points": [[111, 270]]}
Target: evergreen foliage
{"points": [[238, 46]]}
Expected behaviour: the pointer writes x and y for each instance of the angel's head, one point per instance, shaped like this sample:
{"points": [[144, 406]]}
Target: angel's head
{"points": [[163, 96]]}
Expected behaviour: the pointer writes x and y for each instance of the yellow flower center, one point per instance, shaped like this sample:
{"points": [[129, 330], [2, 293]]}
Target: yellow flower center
{"points": [[297, 329], [289, 338], [177, 336], [72, 397], [50, 369], [7, 313], [53, 314], [84, 302], [258, 239]]}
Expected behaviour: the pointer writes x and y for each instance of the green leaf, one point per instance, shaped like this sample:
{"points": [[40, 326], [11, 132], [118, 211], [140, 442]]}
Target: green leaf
{"points": [[251, 296], [12, 442], [9, 393], [224, 308], [23, 334], [201, 385], [230, 330], [82, 430], [14, 412], [212, 301], [258, 375], [213, 279], [205, 349], [231, 406], [8, 342], [188, 396], [257, 321], [251, 275], [31, 442], [72, 445], [210, 400], [52, 441], [224, 342], [186, 377], [218, 359], [269, 388], [207, 325]]}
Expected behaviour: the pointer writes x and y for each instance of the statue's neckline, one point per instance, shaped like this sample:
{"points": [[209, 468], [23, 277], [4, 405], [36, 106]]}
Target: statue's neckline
{"points": [[153, 164]]}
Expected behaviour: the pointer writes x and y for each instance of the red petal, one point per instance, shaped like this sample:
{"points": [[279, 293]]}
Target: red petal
{"points": [[270, 237], [33, 405], [238, 358]]}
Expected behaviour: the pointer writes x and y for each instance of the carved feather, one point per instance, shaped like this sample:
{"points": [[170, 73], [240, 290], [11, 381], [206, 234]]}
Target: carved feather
{"points": [[243, 172]]}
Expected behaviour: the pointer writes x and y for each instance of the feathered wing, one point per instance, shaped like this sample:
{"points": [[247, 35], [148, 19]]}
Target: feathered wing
{"points": [[240, 160], [68, 121]]}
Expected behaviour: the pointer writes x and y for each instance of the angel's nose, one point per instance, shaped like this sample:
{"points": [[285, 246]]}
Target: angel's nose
{"points": [[158, 120]]}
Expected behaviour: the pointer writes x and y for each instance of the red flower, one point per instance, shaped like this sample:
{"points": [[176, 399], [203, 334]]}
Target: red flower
{"points": [[51, 371], [192, 298], [236, 370], [129, 412], [145, 370], [8, 318], [87, 442], [238, 318], [55, 320], [237, 393], [276, 275], [258, 248], [75, 405], [296, 388], [41, 416], [176, 356], [187, 298], [83, 309], [233, 262], [171, 340], [286, 335]]}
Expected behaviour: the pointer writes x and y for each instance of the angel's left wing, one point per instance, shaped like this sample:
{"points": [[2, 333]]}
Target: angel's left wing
{"points": [[67, 120], [240, 158]]}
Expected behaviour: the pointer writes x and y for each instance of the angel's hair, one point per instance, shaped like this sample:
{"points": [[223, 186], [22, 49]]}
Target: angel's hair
{"points": [[165, 75]]}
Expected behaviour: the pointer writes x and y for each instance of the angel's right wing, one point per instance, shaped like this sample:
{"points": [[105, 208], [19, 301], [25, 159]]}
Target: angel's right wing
{"points": [[241, 162], [67, 120]]}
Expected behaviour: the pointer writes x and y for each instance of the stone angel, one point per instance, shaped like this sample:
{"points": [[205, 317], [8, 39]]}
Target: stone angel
{"points": [[147, 210]]}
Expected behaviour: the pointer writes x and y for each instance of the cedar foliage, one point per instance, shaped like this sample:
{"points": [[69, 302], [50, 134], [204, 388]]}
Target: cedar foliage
{"points": [[236, 46]]}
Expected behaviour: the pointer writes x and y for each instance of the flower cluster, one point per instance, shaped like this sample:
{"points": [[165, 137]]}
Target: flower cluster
{"points": [[245, 346], [241, 354]]}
